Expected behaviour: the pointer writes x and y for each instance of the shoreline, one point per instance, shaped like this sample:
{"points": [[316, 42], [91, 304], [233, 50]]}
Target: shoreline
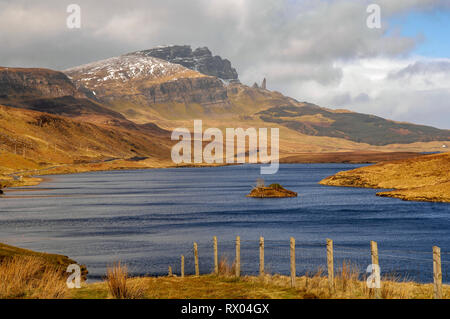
{"points": [[421, 179], [429, 193], [30, 176]]}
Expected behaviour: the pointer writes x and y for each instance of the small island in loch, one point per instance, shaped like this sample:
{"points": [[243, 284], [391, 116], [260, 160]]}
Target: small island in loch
{"points": [[271, 191]]}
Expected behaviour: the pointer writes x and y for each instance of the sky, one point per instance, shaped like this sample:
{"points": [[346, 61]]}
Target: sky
{"points": [[320, 51]]}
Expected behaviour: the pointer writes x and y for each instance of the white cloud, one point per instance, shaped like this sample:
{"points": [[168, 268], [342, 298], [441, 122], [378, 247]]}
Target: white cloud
{"points": [[415, 89]]}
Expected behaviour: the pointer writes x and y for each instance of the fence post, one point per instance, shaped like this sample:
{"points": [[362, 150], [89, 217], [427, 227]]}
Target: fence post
{"points": [[238, 256], [261, 256], [437, 273], [293, 272], [182, 266], [330, 262], [374, 253], [197, 271], [216, 258], [170, 271]]}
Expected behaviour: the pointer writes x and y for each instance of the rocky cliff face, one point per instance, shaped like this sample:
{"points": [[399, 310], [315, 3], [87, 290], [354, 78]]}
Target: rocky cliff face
{"points": [[201, 60], [20, 83], [204, 90]]}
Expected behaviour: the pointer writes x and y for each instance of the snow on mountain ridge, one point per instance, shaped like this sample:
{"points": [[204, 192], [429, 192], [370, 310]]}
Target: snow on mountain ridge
{"points": [[124, 68]]}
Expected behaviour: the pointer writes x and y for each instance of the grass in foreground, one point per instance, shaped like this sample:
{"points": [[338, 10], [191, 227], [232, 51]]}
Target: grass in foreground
{"points": [[226, 286], [32, 277]]}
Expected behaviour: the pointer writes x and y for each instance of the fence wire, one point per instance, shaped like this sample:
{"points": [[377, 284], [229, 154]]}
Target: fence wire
{"points": [[310, 258]]}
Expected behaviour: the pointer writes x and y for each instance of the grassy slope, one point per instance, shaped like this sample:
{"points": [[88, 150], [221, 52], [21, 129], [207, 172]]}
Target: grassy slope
{"points": [[33, 140], [58, 261], [425, 178], [313, 120], [245, 106]]}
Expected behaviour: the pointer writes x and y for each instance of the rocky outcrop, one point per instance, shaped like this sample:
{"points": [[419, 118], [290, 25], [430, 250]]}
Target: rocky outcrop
{"points": [[31, 83], [201, 60], [271, 191]]}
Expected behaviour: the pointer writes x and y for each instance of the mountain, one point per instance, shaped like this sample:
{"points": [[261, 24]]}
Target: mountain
{"points": [[142, 81], [201, 60], [173, 84]]}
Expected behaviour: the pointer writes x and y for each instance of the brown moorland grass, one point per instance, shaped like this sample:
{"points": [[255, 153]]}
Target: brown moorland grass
{"points": [[31, 277], [425, 178], [56, 261], [119, 285], [348, 285], [262, 287]]}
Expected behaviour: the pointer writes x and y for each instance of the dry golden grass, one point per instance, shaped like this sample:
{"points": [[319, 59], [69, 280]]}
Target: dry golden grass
{"points": [[348, 284], [120, 286], [30, 277], [314, 286], [225, 268]]}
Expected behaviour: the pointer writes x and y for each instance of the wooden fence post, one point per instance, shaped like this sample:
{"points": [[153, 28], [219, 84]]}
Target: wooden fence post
{"points": [[261, 256], [374, 253], [293, 271], [197, 271], [182, 266], [216, 257], [437, 273], [238, 256], [170, 271], [330, 263]]}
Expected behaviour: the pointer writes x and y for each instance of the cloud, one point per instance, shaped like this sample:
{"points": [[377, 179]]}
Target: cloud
{"points": [[315, 50], [415, 89]]}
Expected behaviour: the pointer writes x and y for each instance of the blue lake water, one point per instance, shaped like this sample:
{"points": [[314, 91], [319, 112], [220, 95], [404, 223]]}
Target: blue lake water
{"points": [[148, 218]]}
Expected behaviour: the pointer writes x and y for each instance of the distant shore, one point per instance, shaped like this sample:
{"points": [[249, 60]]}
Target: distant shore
{"points": [[28, 176], [425, 178]]}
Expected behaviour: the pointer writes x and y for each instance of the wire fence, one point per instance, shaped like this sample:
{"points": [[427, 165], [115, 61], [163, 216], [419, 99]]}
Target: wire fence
{"points": [[309, 259]]}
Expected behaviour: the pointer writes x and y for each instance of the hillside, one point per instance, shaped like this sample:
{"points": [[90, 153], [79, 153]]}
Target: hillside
{"points": [[59, 261], [52, 92], [32, 140], [425, 178], [313, 120]]}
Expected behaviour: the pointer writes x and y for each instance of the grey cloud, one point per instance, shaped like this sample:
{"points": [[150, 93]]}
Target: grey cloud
{"points": [[428, 107], [422, 68], [248, 32], [292, 43]]}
